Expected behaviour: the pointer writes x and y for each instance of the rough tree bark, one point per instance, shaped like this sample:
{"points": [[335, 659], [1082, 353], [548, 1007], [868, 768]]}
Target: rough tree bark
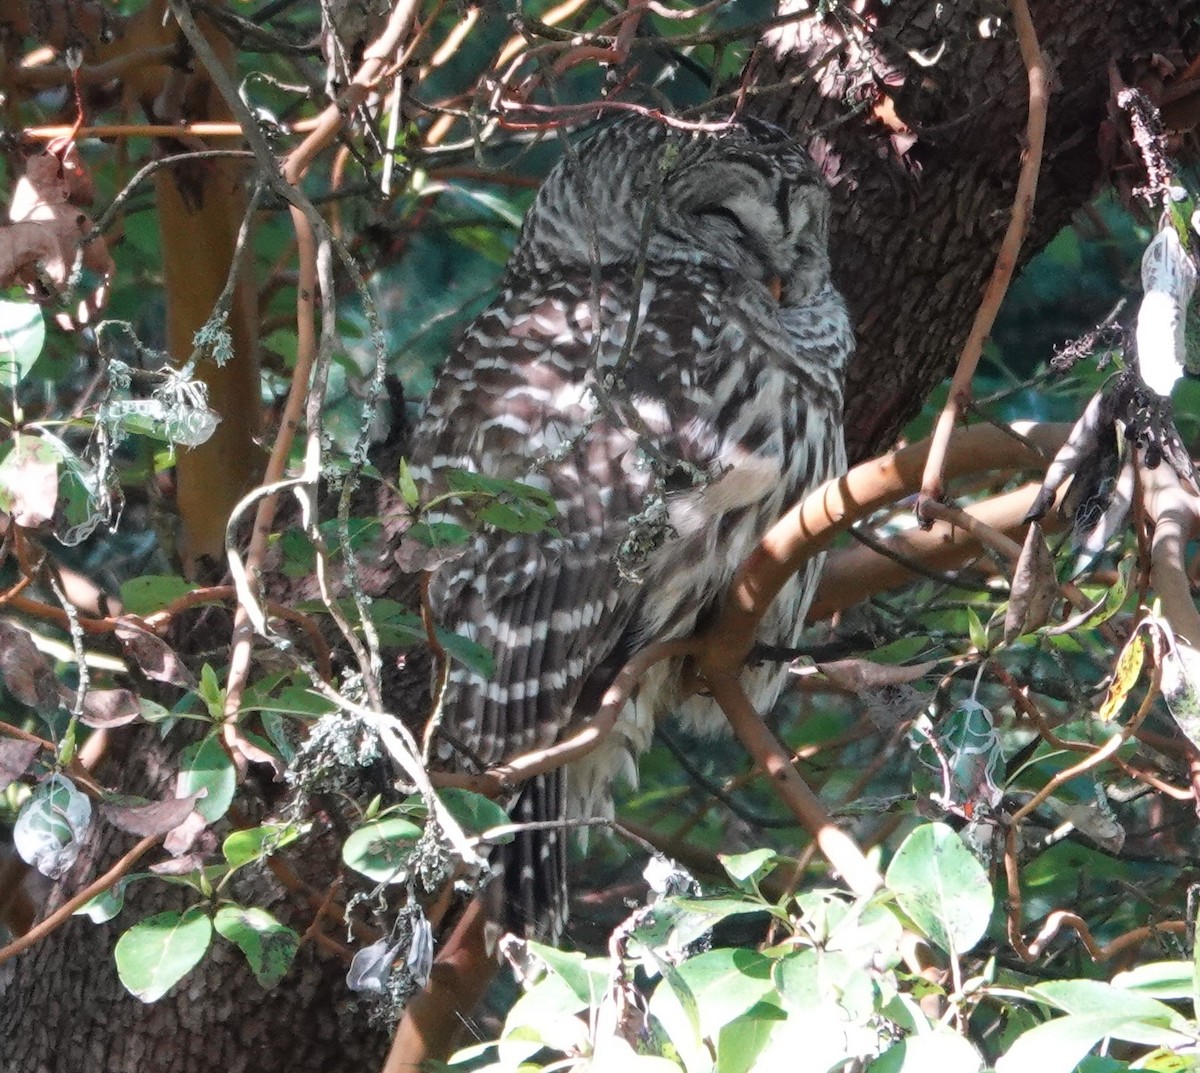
{"points": [[925, 173], [63, 1010]]}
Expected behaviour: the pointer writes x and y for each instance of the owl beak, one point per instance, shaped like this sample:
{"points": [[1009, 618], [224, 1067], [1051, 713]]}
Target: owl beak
{"points": [[775, 286]]}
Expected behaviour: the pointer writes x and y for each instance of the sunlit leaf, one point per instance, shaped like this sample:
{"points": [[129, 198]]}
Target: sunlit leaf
{"points": [[269, 946], [158, 952], [22, 336], [942, 887], [204, 765], [152, 592], [255, 843], [29, 480], [1125, 676], [380, 849]]}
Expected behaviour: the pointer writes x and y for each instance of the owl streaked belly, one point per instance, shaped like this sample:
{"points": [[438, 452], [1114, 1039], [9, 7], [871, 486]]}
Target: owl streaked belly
{"points": [[715, 530]]}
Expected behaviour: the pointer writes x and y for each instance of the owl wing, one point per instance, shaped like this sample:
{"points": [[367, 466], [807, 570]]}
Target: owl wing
{"points": [[517, 399]]}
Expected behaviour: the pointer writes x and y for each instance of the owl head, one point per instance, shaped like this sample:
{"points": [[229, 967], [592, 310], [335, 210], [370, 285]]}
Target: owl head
{"points": [[744, 197]]}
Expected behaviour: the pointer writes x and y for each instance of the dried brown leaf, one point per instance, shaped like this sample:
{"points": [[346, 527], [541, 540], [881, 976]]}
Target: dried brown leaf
{"points": [[184, 834], [154, 657], [109, 708], [1034, 587], [26, 672], [16, 757], [141, 817], [860, 675]]}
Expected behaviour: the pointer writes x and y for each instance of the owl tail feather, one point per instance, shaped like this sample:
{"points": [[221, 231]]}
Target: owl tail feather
{"points": [[529, 895]]}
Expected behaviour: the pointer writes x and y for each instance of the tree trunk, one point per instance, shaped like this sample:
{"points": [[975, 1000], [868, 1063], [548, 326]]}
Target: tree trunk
{"points": [[924, 176], [924, 172], [63, 1009]]}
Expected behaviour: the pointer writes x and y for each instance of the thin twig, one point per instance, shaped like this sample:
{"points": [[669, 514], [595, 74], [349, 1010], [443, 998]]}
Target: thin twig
{"points": [[932, 483], [63, 913]]}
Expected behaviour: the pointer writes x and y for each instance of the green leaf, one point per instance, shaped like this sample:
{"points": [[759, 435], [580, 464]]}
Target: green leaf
{"points": [[471, 655], [108, 903], [408, 487], [1159, 979], [211, 692], [22, 335], [145, 595], [547, 1009], [747, 870], [1059, 1045], [379, 850], [725, 983], [204, 765], [587, 977], [740, 1041], [703, 914], [152, 711], [674, 1006], [810, 979], [940, 1050], [942, 887], [1096, 996], [157, 953], [474, 812], [976, 631], [438, 534], [244, 847], [515, 517], [268, 945]]}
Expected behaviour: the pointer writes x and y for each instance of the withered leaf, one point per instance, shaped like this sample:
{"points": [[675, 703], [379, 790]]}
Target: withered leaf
{"points": [[16, 756], [858, 675], [179, 866], [1088, 441], [27, 673], [1034, 587], [29, 482], [141, 817], [154, 657], [107, 708], [184, 834]]}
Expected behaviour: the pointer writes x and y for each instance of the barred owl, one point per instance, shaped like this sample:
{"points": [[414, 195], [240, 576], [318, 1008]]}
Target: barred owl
{"points": [[666, 360]]}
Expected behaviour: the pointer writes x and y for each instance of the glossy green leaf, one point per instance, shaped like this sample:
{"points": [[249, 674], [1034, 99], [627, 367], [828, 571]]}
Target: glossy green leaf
{"points": [[158, 952], [1059, 1045], [407, 486], [474, 812], [204, 765], [941, 1050], [268, 945], [379, 850], [255, 843], [22, 336], [747, 870], [942, 887], [725, 983], [152, 592]]}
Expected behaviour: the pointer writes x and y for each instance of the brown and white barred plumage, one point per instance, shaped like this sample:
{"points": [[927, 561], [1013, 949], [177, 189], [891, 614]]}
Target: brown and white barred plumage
{"points": [[721, 401]]}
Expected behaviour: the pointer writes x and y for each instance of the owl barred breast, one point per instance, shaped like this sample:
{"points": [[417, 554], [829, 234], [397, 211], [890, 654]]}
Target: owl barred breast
{"points": [[666, 360]]}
